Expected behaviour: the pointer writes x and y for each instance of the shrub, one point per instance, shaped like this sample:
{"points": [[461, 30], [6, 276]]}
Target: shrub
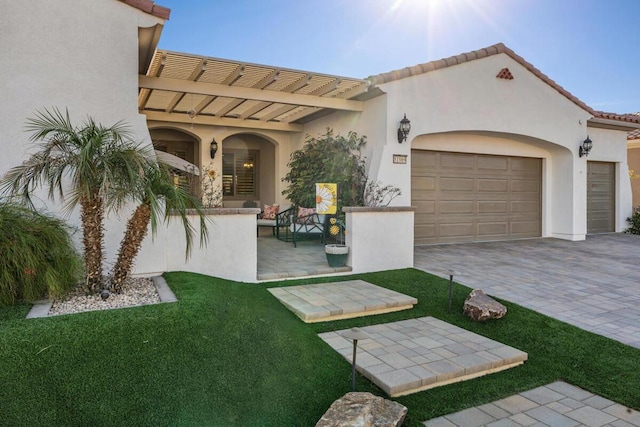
{"points": [[37, 257], [634, 222], [376, 194], [328, 158]]}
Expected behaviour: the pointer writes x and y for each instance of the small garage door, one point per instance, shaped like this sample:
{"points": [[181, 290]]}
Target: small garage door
{"points": [[601, 188], [461, 197]]}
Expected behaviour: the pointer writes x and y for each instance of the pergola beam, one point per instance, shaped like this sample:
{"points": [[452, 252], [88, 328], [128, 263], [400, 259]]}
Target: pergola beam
{"points": [[221, 121], [213, 89]]}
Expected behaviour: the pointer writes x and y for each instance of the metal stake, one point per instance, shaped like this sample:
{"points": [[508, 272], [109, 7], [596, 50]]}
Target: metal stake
{"points": [[353, 366], [450, 290], [451, 274], [354, 334]]}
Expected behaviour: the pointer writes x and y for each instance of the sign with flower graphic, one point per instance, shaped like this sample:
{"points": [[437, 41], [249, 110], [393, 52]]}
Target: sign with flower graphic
{"points": [[326, 198]]}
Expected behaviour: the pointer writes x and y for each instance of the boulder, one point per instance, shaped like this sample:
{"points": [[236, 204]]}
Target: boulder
{"points": [[363, 410], [479, 306]]}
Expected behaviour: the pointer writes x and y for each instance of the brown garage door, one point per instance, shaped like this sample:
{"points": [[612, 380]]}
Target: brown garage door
{"points": [[601, 189], [462, 197]]}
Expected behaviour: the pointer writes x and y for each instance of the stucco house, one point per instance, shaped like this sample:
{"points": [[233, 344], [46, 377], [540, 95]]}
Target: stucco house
{"points": [[495, 150]]}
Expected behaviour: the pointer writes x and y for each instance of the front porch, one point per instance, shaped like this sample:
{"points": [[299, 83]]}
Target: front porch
{"points": [[279, 260], [378, 239]]}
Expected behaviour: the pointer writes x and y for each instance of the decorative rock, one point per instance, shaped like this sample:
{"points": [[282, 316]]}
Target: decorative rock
{"points": [[363, 410], [480, 307]]}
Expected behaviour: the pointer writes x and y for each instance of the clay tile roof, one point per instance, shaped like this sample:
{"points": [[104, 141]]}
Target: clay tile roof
{"points": [[477, 54], [149, 7], [634, 134], [630, 118]]}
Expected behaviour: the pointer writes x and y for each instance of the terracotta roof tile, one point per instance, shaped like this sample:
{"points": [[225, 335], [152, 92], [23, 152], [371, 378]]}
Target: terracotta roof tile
{"points": [[634, 134], [630, 118], [149, 7]]}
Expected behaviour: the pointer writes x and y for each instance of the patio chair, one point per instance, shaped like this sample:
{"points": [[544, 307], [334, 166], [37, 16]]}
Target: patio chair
{"points": [[306, 227], [281, 220]]}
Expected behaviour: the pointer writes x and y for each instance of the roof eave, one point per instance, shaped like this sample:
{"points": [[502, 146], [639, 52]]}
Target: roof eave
{"points": [[615, 124]]}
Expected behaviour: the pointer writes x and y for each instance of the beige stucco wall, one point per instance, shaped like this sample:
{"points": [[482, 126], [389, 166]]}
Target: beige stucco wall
{"points": [[75, 54], [633, 154], [522, 117]]}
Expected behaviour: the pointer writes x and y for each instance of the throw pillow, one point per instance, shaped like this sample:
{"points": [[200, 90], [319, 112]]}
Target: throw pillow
{"points": [[304, 212], [270, 211]]}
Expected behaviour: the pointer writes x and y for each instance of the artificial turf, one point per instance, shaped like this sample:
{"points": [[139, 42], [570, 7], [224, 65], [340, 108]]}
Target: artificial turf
{"points": [[229, 354]]}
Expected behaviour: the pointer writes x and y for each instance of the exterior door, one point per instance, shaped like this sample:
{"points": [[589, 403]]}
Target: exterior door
{"points": [[601, 190]]}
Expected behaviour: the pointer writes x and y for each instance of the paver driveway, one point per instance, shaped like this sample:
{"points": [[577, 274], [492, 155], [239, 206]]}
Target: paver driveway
{"points": [[593, 284]]}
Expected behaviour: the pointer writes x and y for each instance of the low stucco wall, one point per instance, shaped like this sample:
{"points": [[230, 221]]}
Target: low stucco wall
{"points": [[231, 252], [379, 238]]}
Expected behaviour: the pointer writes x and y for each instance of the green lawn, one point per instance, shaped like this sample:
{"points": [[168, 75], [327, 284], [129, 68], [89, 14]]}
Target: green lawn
{"points": [[229, 354]]}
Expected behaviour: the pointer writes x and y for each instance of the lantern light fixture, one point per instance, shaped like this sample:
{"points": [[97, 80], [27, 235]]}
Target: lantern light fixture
{"points": [[586, 146], [213, 148], [403, 129]]}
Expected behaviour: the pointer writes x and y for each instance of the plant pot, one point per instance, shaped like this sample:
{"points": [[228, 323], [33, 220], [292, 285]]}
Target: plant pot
{"points": [[336, 255]]}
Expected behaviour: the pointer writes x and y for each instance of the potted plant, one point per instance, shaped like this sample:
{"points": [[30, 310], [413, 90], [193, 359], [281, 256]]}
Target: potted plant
{"points": [[337, 252]]}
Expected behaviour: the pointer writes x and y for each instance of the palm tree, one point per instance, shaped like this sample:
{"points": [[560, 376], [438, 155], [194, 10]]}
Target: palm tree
{"points": [[158, 196], [90, 165]]}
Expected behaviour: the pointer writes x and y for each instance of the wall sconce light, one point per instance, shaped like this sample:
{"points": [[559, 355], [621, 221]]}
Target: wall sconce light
{"points": [[213, 148], [585, 147], [403, 129]]}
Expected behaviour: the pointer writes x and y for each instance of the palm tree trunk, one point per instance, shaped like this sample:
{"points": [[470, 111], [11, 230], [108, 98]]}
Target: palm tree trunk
{"points": [[92, 214], [137, 228]]}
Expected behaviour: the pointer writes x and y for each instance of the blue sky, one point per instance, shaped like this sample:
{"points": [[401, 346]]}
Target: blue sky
{"points": [[590, 47]]}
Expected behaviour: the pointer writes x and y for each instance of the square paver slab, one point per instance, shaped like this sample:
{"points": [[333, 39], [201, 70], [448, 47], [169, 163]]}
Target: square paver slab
{"points": [[341, 300], [390, 358]]}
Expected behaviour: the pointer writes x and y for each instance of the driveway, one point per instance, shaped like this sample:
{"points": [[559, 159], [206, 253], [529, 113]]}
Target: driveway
{"points": [[593, 284]]}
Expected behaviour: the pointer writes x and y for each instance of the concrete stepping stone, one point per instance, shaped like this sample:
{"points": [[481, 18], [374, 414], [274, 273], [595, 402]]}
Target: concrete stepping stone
{"points": [[555, 404], [417, 354], [341, 300]]}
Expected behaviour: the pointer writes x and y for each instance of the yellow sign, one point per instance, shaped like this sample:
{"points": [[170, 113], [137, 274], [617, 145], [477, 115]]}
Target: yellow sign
{"points": [[326, 198]]}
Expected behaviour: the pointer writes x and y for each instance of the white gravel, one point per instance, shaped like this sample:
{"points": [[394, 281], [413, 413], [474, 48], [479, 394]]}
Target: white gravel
{"points": [[139, 291]]}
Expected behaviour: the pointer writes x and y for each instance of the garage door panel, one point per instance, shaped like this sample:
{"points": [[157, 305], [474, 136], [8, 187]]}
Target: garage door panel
{"points": [[491, 163], [525, 228], [493, 206], [600, 168], [499, 185], [425, 162], [493, 229], [427, 207], [456, 207], [525, 206], [425, 231], [525, 186], [476, 197], [455, 184], [454, 161], [456, 230], [424, 183], [525, 164]]}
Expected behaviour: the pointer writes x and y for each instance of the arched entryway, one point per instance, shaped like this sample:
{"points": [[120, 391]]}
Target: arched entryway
{"points": [[183, 145], [248, 170]]}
